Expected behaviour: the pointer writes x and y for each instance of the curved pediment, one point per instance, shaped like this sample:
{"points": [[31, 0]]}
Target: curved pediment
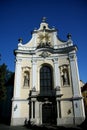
{"points": [[44, 37]]}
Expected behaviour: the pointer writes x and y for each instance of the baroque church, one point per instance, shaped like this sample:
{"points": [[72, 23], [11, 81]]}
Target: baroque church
{"points": [[46, 84]]}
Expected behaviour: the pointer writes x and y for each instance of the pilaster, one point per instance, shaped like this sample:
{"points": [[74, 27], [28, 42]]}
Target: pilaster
{"points": [[34, 37], [75, 75], [17, 83], [78, 106], [34, 108], [57, 83], [55, 39], [34, 75], [15, 118]]}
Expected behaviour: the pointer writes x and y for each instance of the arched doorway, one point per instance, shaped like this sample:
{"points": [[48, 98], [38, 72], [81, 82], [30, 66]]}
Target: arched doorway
{"points": [[49, 108]]}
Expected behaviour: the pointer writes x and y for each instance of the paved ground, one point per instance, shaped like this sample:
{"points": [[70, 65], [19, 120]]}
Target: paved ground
{"points": [[5, 127]]}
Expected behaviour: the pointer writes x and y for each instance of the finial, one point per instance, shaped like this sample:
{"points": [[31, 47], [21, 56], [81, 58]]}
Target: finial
{"points": [[20, 40], [35, 28], [69, 36], [44, 19], [53, 26]]}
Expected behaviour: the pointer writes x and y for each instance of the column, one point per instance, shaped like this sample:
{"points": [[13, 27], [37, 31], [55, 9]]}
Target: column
{"points": [[57, 108], [58, 111], [56, 74], [32, 109], [75, 75], [37, 112], [33, 112], [34, 74]]}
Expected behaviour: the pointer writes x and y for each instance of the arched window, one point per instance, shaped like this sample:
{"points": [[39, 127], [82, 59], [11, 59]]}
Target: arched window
{"points": [[26, 78], [45, 79]]}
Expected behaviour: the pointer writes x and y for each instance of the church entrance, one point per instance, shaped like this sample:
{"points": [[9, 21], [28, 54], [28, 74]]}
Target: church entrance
{"points": [[48, 113]]}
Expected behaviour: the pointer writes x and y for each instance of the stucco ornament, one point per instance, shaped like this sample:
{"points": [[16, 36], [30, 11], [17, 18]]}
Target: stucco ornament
{"points": [[44, 39]]}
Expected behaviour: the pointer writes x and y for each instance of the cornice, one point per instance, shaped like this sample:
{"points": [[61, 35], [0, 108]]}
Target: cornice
{"points": [[17, 99], [46, 30], [49, 49]]}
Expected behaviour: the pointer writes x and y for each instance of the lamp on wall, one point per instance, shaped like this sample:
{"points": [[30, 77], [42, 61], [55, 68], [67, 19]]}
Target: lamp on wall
{"points": [[15, 107], [76, 105]]}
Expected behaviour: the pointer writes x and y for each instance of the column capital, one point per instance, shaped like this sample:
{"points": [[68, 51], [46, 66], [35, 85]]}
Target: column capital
{"points": [[55, 60], [18, 60], [72, 57], [57, 88], [34, 61]]}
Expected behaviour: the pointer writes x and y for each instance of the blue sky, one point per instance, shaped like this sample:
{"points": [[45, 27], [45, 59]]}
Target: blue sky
{"points": [[19, 17]]}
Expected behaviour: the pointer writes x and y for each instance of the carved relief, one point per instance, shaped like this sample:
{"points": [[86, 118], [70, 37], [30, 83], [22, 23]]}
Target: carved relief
{"points": [[43, 39], [45, 54]]}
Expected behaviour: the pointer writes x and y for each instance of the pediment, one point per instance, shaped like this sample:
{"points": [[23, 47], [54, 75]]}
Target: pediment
{"points": [[44, 37]]}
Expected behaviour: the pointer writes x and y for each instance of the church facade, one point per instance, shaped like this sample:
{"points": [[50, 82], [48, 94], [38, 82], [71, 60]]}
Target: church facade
{"points": [[46, 86]]}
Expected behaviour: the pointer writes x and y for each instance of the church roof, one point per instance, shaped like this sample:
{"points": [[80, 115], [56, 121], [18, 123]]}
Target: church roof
{"points": [[84, 88]]}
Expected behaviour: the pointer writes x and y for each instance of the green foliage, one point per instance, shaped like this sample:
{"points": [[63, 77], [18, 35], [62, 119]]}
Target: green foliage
{"points": [[3, 69], [6, 79]]}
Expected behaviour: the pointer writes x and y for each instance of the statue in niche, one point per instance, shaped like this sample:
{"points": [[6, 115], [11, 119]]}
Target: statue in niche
{"points": [[26, 79], [65, 76]]}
